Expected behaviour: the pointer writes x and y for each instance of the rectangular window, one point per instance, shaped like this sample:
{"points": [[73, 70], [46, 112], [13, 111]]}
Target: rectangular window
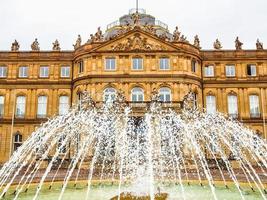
{"points": [[254, 106], [2, 101], [164, 64], [193, 66], [44, 71], [65, 72], [63, 105], [80, 66], [20, 106], [210, 104], [23, 72], [137, 64], [3, 71], [42, 107], [251, 70], [232, 106], [209, 71], [230, 70], [110, 64]]}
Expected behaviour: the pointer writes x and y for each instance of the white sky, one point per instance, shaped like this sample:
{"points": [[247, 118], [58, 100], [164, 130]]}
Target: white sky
{"points": [[48, 20]]}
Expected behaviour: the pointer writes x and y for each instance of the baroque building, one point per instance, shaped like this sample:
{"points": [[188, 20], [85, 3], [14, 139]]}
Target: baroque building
{"points": [[137, 55]]}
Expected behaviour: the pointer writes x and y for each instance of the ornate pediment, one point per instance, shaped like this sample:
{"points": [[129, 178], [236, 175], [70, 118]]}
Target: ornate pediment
{"points": [[136, 41]]}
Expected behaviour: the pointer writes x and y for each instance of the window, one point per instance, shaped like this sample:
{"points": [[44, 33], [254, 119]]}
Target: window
{"points": [[193, 66], [65, 71], [3, 71], [2, 101], [195, 100], [251, 70], [232, 106], [20, 106], [17, 141], [79, 99], [23, 72], [164, 64], [42, 107], [137, 95], [209, 71], [44, 71], [63, 105], [210, 104], [165, 94], [109, 94], [110, 64], [80, 66], [230, 70], [137, 64], [254, 106]]}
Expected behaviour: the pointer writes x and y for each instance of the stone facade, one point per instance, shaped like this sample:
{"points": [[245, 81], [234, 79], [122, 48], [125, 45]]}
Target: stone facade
{"points": [[122, 43]]}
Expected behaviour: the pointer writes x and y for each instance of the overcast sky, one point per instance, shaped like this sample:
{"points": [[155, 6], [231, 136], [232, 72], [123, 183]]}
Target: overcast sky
{"points": [[48, 20]]}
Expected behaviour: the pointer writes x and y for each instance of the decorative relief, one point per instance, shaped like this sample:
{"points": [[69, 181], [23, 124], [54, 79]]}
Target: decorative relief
{"points": [[136, 43]]}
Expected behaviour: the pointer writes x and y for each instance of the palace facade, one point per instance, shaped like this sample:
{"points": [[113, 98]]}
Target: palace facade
{"points": [[137, 55]]}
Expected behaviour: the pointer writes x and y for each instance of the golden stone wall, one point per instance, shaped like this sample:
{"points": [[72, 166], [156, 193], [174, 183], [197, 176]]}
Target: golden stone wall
{"points": [[95, 79]]}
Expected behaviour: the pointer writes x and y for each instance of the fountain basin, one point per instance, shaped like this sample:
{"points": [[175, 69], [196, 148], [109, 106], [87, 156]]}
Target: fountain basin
{"points": [[130, 196]]}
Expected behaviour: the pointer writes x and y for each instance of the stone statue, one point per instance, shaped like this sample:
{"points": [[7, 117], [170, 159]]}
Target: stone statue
{"points": [[183, 39], [238, 44], [35, 45], [56, 46], [92, 39], [78, 42], [197, 42], [98, 35], [136, 19], [15, 46], [217, 45], [176, 34], [259, 45]]}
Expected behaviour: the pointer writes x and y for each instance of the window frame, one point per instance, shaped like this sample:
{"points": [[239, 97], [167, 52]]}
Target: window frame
{"points": [[27, 70], [138, 95], [230, 106], [2, 106], [206, 69], [255, 67], [208, 109], [164, 94], [257, 107], [22, 114], [194, 66], [106, 93], [39, 114], [4, 71], [142, 63], [40, 71], [168, 63], [106, 64], [80, 65], [17, 144], [61, 71], [63, 107], [227, 66]]}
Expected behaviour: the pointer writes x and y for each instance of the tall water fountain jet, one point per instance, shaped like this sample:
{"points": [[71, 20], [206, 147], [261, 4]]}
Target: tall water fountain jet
{"points": [[105, 143]]}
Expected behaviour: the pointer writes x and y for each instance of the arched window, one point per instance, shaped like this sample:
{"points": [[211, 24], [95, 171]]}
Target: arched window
{"points": [[42, 107], [137, 94], [20, 106], [17, 141], [109, 94], [165, 94], [63, 105]]}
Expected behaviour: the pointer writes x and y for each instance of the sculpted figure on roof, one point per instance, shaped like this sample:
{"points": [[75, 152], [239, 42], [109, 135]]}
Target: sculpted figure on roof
{"points": [[238, 44], [15, 46], [78, 42], [56, 46], [197, 42], [217, 44], [259, 45], [176, 34], [35, 45]]}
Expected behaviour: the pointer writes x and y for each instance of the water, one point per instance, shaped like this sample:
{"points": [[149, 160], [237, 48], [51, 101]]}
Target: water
{"points": [[185, 153]]}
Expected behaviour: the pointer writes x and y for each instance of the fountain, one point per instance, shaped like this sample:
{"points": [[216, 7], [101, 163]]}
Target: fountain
{"points": [[105, 152]]}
